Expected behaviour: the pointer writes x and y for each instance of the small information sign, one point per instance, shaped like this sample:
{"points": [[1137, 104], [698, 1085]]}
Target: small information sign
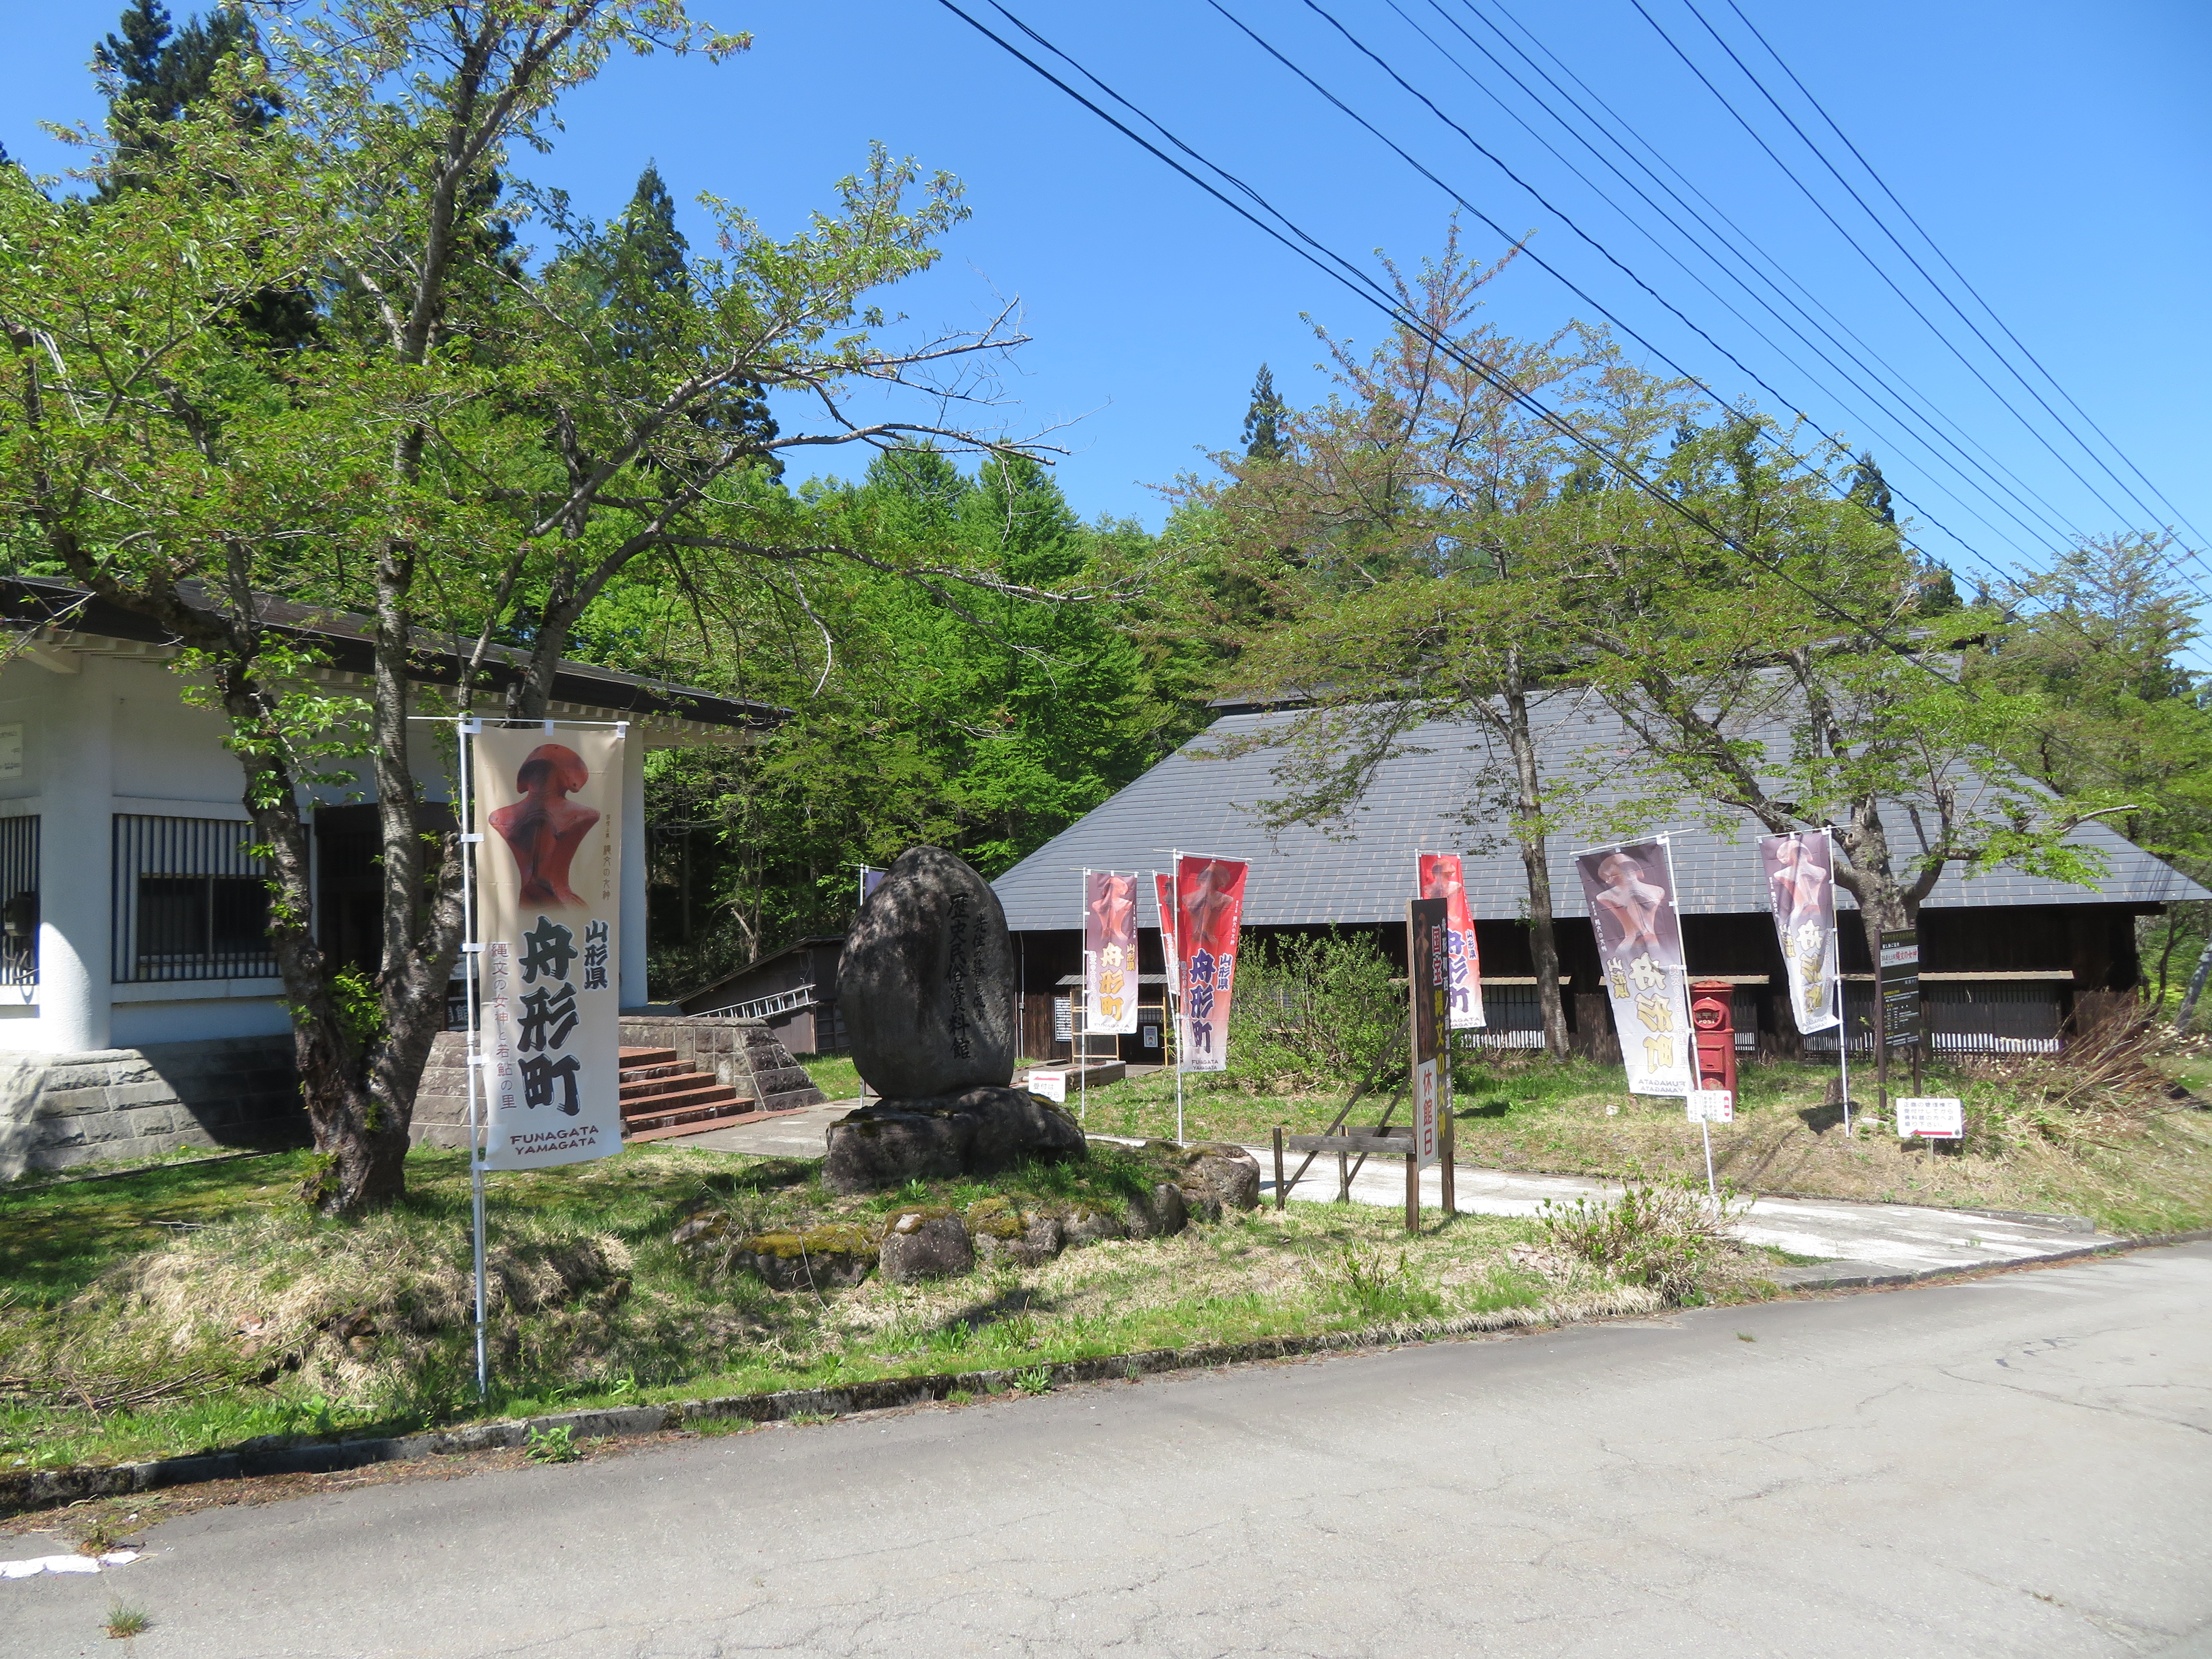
{"points": [[1934, 1117], [1712, 1106], [1053, 1085], [1899, 988]]}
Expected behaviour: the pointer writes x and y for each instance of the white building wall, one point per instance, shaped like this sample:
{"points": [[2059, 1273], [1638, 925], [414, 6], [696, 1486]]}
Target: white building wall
{"points": [[116, 735]]}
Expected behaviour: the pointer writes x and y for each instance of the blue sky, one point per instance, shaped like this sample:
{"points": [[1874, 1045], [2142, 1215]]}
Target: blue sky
{"points": [[2058, 154]]}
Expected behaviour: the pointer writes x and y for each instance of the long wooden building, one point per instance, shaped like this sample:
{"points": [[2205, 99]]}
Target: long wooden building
{"points": [[2007, 958]]}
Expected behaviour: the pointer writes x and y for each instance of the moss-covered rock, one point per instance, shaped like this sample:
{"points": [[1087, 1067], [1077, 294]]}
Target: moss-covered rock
{"points": [[809, 1258], [995, 1217], [919, 1247]]}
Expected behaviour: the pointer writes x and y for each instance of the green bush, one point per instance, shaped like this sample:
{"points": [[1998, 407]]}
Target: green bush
{"points": [[1310, 1010], [1672, 1238]]}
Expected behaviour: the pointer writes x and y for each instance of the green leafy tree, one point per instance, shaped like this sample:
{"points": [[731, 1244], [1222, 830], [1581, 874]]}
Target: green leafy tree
{"points": [[2095, 641], [1773, 647], [1406, 544], [467, 445]]}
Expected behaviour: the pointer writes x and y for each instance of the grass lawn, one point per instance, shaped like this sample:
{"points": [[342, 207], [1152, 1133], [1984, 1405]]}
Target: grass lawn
{"points": [[178, 1310], [2134, 1169], [833, 1075]]}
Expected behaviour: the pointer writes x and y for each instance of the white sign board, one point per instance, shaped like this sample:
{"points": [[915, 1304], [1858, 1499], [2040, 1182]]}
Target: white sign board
{"points": [[1053, 1085], [1712, 1106], [1933, 1117]]}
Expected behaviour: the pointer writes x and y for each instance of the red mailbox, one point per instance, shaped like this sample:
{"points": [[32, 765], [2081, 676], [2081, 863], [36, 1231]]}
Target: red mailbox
{"points": [[1712, 1015]]}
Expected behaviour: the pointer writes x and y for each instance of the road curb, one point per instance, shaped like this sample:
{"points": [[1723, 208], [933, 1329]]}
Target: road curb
{"points": [[1867, 1275], [273, 1455]]}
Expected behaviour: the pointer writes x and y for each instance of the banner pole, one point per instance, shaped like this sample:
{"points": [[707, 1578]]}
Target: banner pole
{"points": [[472, 947], [1844, 1055], [1711, 1191], [1182, 952], [1082, 1021]]}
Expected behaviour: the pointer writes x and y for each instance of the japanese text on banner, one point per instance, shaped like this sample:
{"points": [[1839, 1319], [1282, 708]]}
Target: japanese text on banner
{"points": [[1631, 893], [547, 908]]}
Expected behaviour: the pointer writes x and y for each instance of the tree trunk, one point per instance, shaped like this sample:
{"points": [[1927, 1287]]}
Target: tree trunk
{"points": [[2203, 971], [1535, 857]]}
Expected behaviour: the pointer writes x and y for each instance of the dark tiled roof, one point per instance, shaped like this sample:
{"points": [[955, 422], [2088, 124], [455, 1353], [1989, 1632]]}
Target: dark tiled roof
{"points": [[1435, 803], [345, 640]]}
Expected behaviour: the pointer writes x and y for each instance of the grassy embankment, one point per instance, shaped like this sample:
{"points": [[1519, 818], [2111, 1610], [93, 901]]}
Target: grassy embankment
{"points": [[2041, 1136], [179, 1310]]}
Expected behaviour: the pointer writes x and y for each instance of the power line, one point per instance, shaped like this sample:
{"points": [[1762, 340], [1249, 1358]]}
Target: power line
{"points": [[1936, 248], [1887, 280], [1499, 230], [1780, 275], [1901, 391], [1335, 266]]}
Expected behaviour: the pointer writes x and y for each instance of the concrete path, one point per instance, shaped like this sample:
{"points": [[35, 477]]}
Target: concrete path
{"points": [[2018, 1466], [787, 1134], [1875, 1237]]}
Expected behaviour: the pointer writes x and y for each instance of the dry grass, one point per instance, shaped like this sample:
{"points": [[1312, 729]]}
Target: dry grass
{"points": [[2099, 1131]]}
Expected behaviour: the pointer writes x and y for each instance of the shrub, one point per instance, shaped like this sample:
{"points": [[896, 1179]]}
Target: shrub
{"points": [[1311, 1009], [1673, 1238]]}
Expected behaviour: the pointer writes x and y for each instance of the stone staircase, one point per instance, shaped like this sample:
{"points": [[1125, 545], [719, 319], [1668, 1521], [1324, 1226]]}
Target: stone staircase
{"points": [[662, 1097]]}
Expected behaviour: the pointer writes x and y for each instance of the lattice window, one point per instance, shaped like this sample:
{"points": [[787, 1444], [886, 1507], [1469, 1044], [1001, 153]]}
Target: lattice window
{"points": [[19, 900], [189, 901]]}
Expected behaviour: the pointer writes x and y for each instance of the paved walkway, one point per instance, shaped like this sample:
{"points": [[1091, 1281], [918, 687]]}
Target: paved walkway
{"points": [[786, 1134], [1885, 1237]]}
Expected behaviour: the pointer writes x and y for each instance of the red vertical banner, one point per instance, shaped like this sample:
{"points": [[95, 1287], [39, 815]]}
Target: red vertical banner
{"points": [[1209, 912], [1428, 980], [1440, 878], [1164, 889], [1110, 952]]}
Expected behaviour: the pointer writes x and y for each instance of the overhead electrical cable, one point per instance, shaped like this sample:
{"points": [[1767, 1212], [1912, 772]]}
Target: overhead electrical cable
{"points": [[1503, 235], [1887, 280], [1737, 239], [1905, 419], [1964, 281], [1890, 391], [1342, 271]]}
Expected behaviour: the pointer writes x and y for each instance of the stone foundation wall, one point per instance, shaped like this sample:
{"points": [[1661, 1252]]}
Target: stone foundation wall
{"points": [[223, 1093], [744, 1053]]}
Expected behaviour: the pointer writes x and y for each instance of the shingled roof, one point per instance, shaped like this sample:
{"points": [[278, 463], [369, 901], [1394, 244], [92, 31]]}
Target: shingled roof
{"points": [[1418, 803]]}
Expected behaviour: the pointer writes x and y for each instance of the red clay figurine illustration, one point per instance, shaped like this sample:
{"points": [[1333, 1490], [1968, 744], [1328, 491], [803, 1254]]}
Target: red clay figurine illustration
{"points": [[545, 828]]}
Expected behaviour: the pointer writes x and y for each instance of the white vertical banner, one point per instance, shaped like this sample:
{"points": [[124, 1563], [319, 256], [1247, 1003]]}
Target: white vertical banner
{"points": [[1631, 893], [1800, 871], [549, 814]]}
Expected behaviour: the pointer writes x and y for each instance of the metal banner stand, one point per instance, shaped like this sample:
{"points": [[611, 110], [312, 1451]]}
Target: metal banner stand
{"points": [[1079, 1027], [1175, 987], [472, 949], [1712, 1190], [1844, 1055]]}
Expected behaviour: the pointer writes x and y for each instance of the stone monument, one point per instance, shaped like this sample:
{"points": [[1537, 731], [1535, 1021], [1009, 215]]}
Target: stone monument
{"points": [[927, 987]]}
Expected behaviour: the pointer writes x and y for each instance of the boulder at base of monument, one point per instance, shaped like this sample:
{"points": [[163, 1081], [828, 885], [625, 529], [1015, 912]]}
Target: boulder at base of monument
{"points": [[925, 983], [975, 1132]]}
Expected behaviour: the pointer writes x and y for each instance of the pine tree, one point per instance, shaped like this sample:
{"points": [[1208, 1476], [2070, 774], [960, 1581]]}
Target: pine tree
{"points": [[1870, 492], [156, 72], [1263, 435], [648, 283]]}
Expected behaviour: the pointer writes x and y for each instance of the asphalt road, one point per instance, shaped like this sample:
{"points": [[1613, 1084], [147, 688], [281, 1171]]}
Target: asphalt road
{"points": [[2018, 1466]]}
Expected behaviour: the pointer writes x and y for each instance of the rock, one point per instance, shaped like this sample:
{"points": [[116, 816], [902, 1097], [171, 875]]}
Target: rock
{"points": [[1039, 1240], [925, 983], [975, 1132], [919, 1246], [1221, 1171], [1084, 1225], [812, 1258], [1161, 1214]]}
